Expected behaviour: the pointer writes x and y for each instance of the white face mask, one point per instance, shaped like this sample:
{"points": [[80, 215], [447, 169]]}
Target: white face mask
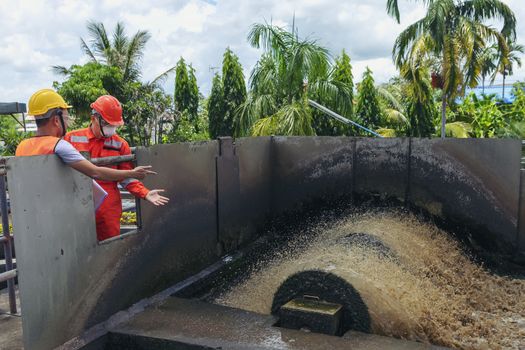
{"points": [[109, 130]]}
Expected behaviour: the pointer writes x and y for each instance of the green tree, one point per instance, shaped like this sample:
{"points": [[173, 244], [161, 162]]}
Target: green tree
{"points": [[289, 71], [144, 112], [215, 109], [234, 94], [192, 130], [183, 91], [186, 99], [85, 84], [121, 55], [342, 74], [454, 33], [10, 137], [368, 107], [419, 99], [193, 107], [488, 64], [117, 50], [507, 59]]}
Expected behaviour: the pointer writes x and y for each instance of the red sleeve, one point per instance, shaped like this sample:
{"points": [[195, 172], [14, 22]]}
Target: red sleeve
{"points": [[134, 186]]}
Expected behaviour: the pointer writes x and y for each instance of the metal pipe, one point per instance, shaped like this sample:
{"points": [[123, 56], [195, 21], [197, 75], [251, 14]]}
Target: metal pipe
{"points": [[113, 160], [8, 253], [119, 237], [340, 118], [8, 276]]}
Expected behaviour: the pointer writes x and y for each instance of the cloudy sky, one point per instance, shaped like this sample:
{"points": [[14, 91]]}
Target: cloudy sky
{"points": [[35, 34]]}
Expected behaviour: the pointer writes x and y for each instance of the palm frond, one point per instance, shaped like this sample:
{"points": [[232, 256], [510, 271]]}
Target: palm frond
{"points": [[406, 40], [60, 70], [295, 119], [265, 127], [482, 10], [84, 47], [161, 78], [100, 43], [120, 41], [392, 8], [395, 117], [134, 53], [458, 130], [273, 39], [385, 132]]}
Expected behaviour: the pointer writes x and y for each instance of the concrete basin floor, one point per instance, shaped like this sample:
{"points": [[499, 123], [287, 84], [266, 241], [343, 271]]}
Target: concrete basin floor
{"points": [[192, 324]]}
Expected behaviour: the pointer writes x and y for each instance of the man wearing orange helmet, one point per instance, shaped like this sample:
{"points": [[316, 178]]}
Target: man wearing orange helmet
{"points": [[51, 116], [100, 140]]}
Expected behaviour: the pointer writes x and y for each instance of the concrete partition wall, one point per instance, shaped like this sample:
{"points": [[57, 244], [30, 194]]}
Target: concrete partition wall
{"points": [[68, 282], [255, 179], [471, 182]]}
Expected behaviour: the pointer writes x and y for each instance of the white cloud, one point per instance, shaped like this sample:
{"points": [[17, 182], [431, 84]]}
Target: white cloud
{"points": [[37, 34]]}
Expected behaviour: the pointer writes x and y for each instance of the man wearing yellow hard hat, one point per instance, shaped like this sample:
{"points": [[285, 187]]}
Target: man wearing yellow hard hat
{"points": [[51, 117]]}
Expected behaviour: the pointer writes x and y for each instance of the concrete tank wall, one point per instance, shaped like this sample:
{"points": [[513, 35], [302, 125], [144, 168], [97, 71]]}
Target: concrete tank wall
{"points": [[382, 167], [305, 168], [220, 196], [255, 181], [469, 182]]}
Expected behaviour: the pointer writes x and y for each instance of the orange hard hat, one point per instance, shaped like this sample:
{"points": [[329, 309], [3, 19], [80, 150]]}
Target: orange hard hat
{"points": [[110, 109]]}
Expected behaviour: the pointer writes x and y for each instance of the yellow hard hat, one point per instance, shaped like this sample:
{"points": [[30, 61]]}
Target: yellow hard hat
{"points": [[44, 100]]}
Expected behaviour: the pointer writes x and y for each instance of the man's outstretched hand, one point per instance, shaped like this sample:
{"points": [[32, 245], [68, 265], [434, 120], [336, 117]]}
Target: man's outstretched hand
{"points": [[155, 198]]}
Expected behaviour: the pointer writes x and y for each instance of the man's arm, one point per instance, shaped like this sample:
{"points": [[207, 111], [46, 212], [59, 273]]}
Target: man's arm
{"points": [[74, 159], [108, 174]]}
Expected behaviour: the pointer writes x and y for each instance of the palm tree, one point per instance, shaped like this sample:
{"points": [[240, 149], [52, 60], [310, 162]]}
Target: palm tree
{"points": [[117, 50], [489, 58], [453, 32], [289, 70], [506, 61]]}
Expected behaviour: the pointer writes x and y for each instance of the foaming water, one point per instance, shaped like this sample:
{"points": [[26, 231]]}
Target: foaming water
{"points": [[426, 290]]}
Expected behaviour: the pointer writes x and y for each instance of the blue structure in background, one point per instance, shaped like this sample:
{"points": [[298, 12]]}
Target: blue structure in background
{"points": [[496, 90]]}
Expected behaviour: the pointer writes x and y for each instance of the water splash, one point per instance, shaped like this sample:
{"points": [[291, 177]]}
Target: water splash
{"points": [[426, 290]]}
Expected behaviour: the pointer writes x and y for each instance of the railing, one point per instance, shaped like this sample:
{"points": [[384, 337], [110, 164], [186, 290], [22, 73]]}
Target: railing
{"points": [[7, 240]]}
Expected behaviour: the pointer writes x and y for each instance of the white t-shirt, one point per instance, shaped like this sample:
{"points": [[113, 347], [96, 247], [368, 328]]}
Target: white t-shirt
{"points": [[67, 152]]}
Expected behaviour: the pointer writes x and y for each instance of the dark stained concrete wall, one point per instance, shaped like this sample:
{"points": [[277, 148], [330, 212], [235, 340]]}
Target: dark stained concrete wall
{"points": [[470, 182], [255, 175], [306, 168], [382, 167]]}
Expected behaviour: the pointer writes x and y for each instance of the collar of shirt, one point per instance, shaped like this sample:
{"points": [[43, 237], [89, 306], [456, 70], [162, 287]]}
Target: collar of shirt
{"points": [[89, 133]]}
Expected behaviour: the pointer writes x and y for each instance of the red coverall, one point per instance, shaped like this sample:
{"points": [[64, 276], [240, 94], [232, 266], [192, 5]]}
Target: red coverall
{"points": [[109, 213]]}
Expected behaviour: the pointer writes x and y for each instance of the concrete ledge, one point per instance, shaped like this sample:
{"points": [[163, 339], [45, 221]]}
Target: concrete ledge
{"points": [[191, 324]]}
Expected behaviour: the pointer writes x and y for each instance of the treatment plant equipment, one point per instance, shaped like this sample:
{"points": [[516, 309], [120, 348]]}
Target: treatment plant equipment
{"points": [[129, 293]]}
